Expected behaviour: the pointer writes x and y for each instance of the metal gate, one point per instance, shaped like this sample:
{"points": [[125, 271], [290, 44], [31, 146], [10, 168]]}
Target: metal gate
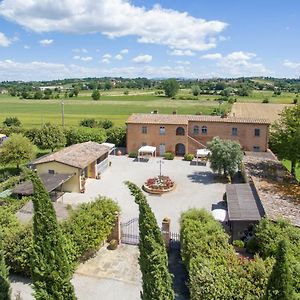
{"points": [[174, 241], [130, 232]]}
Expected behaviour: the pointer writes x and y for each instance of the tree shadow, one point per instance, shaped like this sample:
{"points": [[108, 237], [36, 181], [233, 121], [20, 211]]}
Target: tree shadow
{"points": [[204, 177], [142, 159]]}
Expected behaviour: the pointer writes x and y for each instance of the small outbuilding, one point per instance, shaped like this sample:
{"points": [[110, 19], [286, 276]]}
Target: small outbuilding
{"points": [[244, 208], [85, 160]]}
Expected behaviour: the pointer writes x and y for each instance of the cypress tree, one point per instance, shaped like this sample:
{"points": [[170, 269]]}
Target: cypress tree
{"points": [[5, 290], [153, 260], [280, 281], [50, 270]]}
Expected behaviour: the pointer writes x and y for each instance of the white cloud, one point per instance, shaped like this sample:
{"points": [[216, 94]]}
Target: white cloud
{"points": [[107, 55], [142, 59], [212, 56], [124, 51], [38, 70], [4, 40], [105, 61], [237, 63], [118, 57], [83, 58], [27, 47], [115, 18], [292, 65], [86, 58], [182, 62], [46, 42], [178, 52], [79, 50]]}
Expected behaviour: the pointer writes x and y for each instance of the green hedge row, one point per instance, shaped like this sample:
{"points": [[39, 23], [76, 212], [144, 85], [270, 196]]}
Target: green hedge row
{"points": [[87, 228], [215, 271]]}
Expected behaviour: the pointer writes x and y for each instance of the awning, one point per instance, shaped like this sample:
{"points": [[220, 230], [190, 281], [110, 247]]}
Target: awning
{"points": [[50, 181], [220, 215], [202, 152], [147, 150]]}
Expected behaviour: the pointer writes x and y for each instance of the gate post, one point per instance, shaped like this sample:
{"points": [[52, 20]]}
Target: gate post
{"points": [[116, 233], [165, 226]]}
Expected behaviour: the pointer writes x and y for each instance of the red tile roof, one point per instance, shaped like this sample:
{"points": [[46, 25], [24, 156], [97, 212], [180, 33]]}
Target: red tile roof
{"points": [[184, 119]]}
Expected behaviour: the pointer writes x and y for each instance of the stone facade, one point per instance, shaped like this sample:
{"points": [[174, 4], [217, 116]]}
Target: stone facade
{"points": [[185, 134]]}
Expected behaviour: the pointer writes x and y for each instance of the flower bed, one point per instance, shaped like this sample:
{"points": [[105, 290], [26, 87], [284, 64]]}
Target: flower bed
{"points": [[159, 185]]}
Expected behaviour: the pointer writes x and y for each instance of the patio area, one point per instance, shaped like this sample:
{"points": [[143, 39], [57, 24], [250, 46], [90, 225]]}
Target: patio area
{"points": [[196, 186]]}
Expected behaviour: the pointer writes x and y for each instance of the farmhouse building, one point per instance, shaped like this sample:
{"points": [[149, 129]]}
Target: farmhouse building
{"points": [[74, 163], [182, 134]]}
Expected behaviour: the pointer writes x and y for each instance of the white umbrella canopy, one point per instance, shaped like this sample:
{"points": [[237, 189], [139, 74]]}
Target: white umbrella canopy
{"points": [[220, 215]]}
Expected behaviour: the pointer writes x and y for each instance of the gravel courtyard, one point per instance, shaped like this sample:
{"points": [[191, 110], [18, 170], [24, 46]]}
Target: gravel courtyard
{"points": [[196, 186]]}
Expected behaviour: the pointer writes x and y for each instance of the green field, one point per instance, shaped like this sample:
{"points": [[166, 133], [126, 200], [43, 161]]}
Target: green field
{"points": [[116, 106], [287, 164]]}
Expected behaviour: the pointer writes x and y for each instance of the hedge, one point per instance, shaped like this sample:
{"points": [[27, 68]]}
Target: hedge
{"points": [[215, 271], [83, 233]]}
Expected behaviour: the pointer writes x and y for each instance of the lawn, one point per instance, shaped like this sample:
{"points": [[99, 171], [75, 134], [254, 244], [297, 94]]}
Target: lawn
{"points": [[287, 164]]}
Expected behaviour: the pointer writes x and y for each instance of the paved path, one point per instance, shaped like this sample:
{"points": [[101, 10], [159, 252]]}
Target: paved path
{"points": [[196, 186], [109, 275]]}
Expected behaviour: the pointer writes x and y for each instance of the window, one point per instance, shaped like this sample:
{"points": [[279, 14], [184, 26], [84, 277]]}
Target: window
{"points": [[234, 131], [196, 130], [51, 171], [256, 132], [180, 131], [162, 130], [144, 129], [256, 148], [204, 129]]}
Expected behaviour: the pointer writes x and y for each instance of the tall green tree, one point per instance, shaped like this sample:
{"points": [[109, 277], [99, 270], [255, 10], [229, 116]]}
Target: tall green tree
{"points": [[84, 134], [96, 95], [51, 273], [226, 156], [170, 87], [17, 150], [285, 136], [153, 260], [50, 136], [280, 281], [5, 289]]}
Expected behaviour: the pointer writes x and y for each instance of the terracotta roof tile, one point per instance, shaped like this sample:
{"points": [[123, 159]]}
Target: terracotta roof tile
{"points": [[78, 155], [184, 119]]}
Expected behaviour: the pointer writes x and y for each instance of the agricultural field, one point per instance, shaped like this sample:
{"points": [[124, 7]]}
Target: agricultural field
{"points": [[268, 111], [116, 105], [113, 106]]}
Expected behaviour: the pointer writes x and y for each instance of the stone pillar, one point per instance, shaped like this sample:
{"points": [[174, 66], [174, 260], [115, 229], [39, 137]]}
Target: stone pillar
{"points": [[165, 226], [116, 232]]}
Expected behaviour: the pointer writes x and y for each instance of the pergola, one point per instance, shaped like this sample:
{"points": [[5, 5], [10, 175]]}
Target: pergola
{"points": [[146, 150], [200, 153]]}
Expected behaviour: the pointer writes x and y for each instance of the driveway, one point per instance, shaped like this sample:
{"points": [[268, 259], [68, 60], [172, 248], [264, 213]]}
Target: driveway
{"points": [[196, 186]]}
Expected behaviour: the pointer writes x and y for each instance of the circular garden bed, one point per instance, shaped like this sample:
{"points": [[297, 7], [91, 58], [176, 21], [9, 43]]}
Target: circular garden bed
{"points": [[159, 185]]}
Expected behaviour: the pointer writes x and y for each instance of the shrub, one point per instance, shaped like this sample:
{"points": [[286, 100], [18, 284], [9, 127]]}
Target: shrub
{"points": [[238, 243], [117, 136], [106, 124], [12, 121], [266, 100], [85, 134], [189, 156], [90, 225], [133, 155], [169, 156]]}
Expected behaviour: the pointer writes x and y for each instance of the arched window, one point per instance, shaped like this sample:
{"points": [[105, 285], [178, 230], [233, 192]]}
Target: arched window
{"points": [[204, 129], [196, 130], [180, 131]]}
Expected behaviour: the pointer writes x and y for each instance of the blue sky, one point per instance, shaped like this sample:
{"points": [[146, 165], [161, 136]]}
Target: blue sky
{"points": [[42, 39]]}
